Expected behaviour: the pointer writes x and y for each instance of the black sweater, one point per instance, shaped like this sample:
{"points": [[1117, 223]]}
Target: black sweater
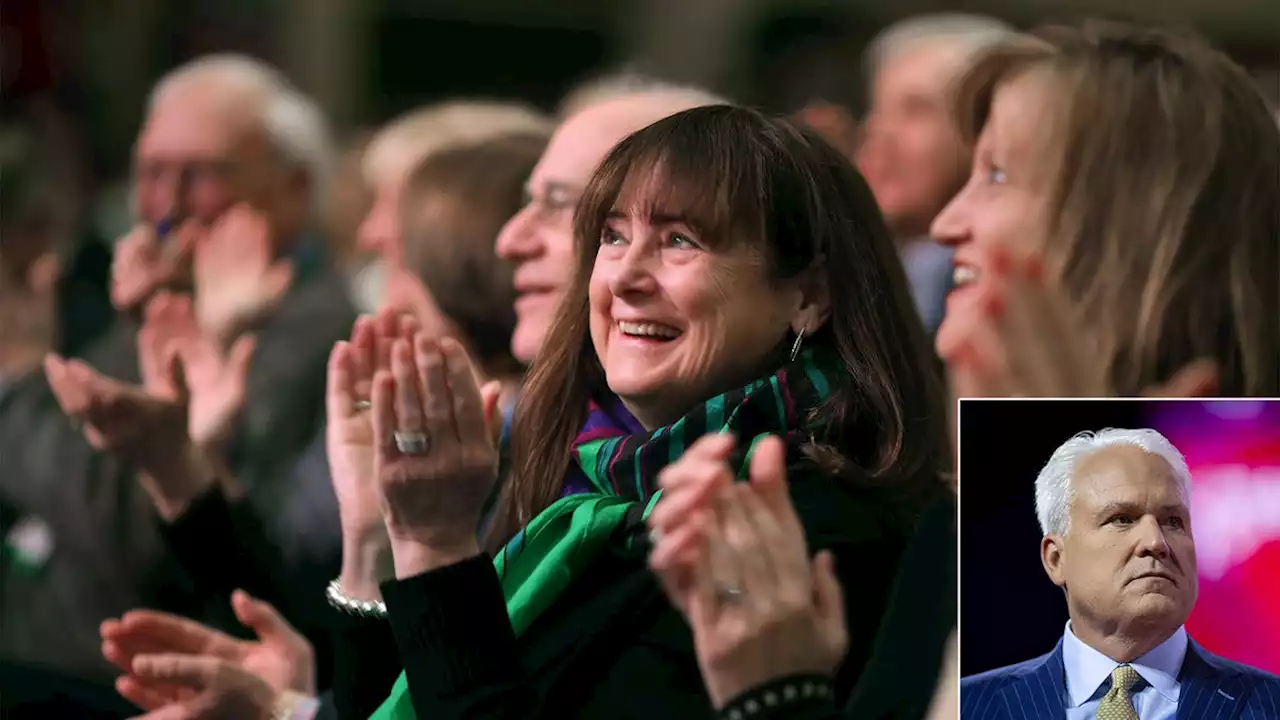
{"points": [[610, 647]]}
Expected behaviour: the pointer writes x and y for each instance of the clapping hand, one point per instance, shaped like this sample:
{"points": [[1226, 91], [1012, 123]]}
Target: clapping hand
{"points": [[280, 657], [349, 443], [143, 428], [434, 456], [142, 264], [237, 275], [214, 382], [733, 560], [1020, 338]]}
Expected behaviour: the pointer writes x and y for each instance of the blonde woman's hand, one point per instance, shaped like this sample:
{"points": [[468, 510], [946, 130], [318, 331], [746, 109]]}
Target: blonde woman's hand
{"points": [[759, 608], [1019, 337], [690, 486], [434, 456]]}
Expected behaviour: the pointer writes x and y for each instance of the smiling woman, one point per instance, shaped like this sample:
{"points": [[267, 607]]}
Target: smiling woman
{"points": [[1136, 170], [735, 296]]}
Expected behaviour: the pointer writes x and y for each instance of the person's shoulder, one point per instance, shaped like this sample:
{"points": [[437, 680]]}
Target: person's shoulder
{"points": [[997, 678]]}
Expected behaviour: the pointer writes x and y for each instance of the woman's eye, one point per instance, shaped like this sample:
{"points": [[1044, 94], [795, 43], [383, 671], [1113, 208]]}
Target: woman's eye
{"points": [[611, 237], [682, 241], [1122, 520]]}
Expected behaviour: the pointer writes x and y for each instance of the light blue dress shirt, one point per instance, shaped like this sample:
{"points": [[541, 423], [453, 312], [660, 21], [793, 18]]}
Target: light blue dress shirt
{"points": [[1089, 677]]}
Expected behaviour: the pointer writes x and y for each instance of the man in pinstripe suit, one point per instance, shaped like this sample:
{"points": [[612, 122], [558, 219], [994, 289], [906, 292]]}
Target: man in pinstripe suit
{"points": [[1113, 506]]}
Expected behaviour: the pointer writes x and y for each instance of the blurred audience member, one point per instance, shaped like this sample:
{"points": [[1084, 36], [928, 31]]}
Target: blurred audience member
{"points": [[229, 166], [345, 207], [911, 154], [400, 146], [456, 203], [835, 123], [1119, 230]]}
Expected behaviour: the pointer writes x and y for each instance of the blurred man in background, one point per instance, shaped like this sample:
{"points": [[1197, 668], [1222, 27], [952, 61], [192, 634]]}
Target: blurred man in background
{"points": [[229, 164], [911, 154]]}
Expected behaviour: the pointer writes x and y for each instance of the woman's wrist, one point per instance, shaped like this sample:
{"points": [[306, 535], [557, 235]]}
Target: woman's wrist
{"points": [[366, 563], [413, 556], [781, 696], [174, 484]]}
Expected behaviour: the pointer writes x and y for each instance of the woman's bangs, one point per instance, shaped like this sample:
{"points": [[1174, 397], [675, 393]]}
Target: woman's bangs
{"points": [[666, 173]]}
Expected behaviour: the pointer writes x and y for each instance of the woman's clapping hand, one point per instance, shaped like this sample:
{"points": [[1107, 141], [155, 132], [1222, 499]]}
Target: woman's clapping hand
{"points": [[732, 557], [435, 458], [1019, 337]]}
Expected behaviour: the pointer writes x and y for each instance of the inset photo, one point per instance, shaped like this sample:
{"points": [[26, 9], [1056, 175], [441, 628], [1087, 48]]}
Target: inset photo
{"points": [[1119, 559]]}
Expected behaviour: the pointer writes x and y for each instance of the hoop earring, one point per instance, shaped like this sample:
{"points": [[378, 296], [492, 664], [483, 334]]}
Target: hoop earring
{"points": [[795, 347]]}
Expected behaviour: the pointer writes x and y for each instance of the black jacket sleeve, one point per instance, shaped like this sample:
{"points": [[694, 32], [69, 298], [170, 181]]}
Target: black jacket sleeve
{"points": [[365, 666], [457, 643]]}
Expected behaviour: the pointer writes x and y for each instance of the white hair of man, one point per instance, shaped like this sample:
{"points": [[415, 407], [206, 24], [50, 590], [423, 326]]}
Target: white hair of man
{"points": [[965, 34], [1054, 492], [628, 83], [294, 124]]}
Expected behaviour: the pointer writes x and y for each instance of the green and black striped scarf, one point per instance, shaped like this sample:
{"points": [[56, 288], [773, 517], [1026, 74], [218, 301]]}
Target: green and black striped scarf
{"points": [[613, 485]]}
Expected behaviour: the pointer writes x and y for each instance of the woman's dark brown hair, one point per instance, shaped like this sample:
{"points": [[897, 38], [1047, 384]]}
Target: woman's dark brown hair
{"points": [[1163, 210], [455, 204], [789, 194]]}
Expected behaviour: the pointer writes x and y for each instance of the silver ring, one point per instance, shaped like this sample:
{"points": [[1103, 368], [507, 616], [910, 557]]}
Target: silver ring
{"points": [[655, 536], [728, 594], [412, 443], [363, 404]]}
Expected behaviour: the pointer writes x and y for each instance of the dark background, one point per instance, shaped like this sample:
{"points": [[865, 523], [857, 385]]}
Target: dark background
{"points": [[1009, 610]]}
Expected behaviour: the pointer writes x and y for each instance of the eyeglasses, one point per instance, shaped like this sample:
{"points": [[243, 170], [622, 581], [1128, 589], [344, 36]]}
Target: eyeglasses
{"points": [[555, 203]]}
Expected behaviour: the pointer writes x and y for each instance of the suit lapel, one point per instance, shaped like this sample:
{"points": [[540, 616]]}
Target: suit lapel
{"points": [[1209, 688], [1037, 692]]}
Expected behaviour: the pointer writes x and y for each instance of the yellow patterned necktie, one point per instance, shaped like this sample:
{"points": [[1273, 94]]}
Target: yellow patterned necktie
{"points": [[1117, 704]]}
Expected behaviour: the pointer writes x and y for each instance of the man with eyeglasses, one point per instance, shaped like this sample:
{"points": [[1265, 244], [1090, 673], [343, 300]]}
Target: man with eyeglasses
{"points": [[538, 240]]}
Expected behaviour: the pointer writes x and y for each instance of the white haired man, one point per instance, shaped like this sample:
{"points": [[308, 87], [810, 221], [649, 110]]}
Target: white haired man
{"points": [[911, 155], [1114, 507], [227, 168]]}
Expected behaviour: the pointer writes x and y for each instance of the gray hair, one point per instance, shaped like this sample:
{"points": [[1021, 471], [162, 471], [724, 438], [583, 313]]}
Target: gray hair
{"points": [[416, 135], [1053, 485], [292, 121], [627, 83], [966, 34]]}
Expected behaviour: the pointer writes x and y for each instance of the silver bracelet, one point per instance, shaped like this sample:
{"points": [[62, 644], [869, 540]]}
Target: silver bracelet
{"points": [[351, 606]]}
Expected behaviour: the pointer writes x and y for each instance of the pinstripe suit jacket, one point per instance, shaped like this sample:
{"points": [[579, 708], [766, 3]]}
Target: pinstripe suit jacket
{"points": [[1213, 688]]}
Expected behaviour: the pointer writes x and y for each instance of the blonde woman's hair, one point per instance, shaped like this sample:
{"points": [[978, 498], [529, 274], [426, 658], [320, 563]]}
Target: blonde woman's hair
{"points": [[1163, 206], [413, 137]]}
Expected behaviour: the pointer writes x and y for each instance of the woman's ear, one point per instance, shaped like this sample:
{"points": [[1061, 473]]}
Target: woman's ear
{"points": [[814, 305]]}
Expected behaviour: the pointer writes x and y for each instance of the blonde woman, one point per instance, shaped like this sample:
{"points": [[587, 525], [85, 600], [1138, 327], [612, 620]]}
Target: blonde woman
{"points": [[1120, 228]]}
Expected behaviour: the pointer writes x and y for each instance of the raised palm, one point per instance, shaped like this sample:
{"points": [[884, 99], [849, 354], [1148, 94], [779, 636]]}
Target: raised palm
{"points": [[280, 656], [237, 276], [214, 382], [349, 431]]}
